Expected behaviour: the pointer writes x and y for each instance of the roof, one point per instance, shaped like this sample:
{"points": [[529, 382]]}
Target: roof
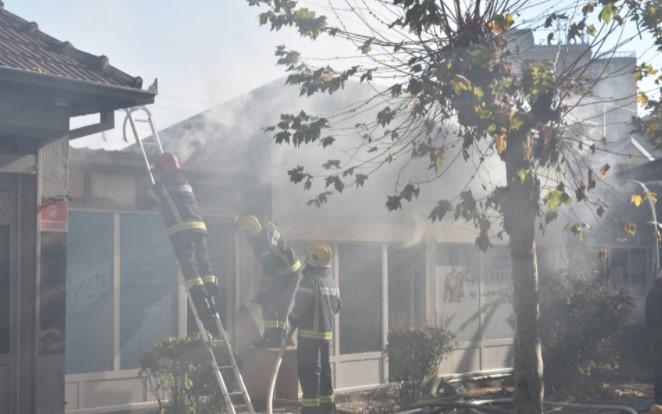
{"points": [[24, 47]]}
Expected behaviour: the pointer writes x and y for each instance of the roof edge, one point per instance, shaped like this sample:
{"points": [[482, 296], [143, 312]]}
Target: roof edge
{"points": [[134, 96]]}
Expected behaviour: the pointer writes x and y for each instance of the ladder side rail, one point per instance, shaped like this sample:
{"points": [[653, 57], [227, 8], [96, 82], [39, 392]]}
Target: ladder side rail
{"points": [[235, 366], [210, 350], [155, 133], [140, 144]]}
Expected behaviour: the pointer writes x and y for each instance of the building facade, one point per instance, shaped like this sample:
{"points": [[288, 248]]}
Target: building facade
{"points": [[394, 270]]}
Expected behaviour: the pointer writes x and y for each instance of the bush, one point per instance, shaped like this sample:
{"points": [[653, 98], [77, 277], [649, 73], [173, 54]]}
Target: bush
{"points": [[581, 319], [177, 371], [413, 355]]}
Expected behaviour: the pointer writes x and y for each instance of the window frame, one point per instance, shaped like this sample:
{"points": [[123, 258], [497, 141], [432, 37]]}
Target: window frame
{"points": [[181, 310]]}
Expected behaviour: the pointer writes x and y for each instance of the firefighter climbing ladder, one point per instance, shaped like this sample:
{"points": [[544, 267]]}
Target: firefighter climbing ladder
{"points": [[230, 396]]}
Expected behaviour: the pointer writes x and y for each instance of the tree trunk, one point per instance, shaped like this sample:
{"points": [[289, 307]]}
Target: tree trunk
{"points": [[520, 214]]}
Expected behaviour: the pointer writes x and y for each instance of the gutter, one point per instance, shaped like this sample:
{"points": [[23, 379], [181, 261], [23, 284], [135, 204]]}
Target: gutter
{"points": [[123, 96]]}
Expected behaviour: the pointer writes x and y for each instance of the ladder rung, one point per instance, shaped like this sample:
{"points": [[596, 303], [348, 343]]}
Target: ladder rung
{"points": [[226, 367], [235, 393]]}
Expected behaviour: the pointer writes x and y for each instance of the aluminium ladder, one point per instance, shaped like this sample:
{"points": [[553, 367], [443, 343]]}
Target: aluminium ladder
{"points": [[230, 396]]}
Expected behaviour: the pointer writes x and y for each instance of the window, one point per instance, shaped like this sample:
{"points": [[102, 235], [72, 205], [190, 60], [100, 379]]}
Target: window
{"points": [[4, 289], [496, 306], [360, 269], [406, 278], [148, 286], [89, 318], [130, 256], [457, 280]]}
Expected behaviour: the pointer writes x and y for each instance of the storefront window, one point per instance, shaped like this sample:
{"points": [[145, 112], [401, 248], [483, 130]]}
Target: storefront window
{"points": [[497, 289], [89, 339], [457, 279], [360, 268], [148, 286]]}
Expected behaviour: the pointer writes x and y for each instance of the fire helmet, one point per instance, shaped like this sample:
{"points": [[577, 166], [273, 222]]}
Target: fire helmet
{"points": [[167, 162], [250, 225], [319, 255]]}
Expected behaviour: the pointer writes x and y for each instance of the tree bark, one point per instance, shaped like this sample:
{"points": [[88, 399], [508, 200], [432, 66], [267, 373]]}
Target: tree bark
{"points": [[520, 214]]}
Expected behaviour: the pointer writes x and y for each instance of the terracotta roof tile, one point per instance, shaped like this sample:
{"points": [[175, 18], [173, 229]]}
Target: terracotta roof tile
{"points": [[23, 46]]}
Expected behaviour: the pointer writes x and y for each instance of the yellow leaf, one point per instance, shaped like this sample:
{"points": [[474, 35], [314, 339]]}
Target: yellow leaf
{"points": [[500, 141], [636, 200], [642, 99]]}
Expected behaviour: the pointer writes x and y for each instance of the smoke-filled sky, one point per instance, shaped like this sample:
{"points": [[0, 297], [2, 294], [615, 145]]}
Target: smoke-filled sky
{"points": [[204, 52]]}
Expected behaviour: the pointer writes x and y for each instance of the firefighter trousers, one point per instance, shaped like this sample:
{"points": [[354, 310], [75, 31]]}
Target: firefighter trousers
{"points": [[274, 297], [190, 247], [315, 376]]}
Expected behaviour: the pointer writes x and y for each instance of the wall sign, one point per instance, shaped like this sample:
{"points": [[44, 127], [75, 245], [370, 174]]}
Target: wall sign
{"points": [[54, 214]]}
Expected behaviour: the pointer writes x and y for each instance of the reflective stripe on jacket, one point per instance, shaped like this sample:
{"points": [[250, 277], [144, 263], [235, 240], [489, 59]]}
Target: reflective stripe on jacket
{"points": [[179, 207]]}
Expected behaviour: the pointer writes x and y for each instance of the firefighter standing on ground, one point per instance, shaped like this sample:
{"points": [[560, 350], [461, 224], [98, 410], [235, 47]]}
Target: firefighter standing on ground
{"points": [[280, 268], [317, 302], [188, 234]]}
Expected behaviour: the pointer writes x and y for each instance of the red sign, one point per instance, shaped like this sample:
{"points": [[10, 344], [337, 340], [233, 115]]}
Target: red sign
{"points": [[54, 214]]}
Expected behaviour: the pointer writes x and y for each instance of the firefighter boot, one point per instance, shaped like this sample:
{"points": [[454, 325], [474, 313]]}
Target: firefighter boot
{"points": [[205, 311], [211, 287]]}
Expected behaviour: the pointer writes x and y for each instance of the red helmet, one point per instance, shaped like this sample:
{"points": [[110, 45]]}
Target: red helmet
{"points": [[167, 162]]}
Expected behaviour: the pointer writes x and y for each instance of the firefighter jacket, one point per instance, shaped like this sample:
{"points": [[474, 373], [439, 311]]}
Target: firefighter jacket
{"points": [[276, 257], [316, 304], [179, 207]]}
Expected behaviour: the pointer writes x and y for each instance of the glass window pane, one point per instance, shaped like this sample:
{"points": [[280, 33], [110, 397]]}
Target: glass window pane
{"points": [[360, 269], [4, 289], [497, 290], [148, 286], [406, 278], [89, 339], [457, 276]]}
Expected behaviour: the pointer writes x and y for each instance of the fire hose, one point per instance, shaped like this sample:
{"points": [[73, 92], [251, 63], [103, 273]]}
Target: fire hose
{"points": [[283, 347]]}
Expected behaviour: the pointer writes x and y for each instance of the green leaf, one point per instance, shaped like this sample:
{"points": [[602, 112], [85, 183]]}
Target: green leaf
{"points": [[336, 182], [409, 192], [360, 179], [522, 174], [393, 203], [483, 240], [438, 213], [385, 116], [331, 164], [366, 47], [609, 10]]}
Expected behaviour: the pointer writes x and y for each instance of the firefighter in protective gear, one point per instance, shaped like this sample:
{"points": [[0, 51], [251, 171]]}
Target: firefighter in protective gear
{"points": [[316, 304], [188, 233], [280, 269]]}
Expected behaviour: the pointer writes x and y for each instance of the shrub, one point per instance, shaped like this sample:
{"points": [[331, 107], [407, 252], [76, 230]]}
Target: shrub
{"points": [[177, 371], [413, 355], [581, 319]]}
